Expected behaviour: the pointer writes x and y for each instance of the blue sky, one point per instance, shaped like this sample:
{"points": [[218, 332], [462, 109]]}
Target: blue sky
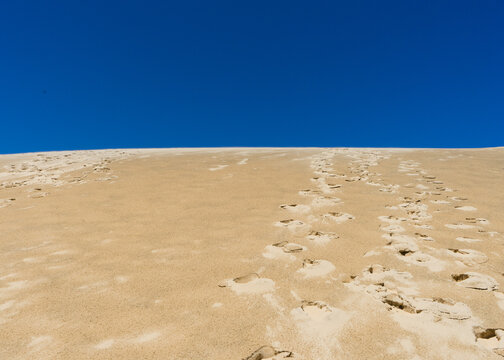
{"points": [[124, 74]]}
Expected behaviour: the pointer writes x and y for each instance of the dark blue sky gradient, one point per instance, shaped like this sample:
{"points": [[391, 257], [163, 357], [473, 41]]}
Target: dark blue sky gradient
{"points": [[123, 74]]}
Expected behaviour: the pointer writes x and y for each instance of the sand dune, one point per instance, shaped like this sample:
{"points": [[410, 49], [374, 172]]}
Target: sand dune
{"points": [[253, 254]]}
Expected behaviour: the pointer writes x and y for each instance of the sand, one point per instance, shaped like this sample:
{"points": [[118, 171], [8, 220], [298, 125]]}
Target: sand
{"points": [[268, 253]]}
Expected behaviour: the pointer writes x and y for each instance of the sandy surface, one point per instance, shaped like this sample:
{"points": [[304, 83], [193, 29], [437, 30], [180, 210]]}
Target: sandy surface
{"points": [[252, 254]]}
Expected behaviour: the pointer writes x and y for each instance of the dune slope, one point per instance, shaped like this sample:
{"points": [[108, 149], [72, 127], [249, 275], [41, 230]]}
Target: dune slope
{"points": [[252, 254]]}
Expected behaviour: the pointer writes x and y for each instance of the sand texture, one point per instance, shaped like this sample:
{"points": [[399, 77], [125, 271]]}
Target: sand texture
{"points": [[217, 254]]}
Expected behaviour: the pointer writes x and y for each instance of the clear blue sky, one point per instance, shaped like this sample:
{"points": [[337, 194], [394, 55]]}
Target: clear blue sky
{"points": [[117, 74]]}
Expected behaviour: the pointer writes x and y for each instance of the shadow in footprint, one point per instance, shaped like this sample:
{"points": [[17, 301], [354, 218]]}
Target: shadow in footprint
{"points": [[269, 352], [472, 280]]}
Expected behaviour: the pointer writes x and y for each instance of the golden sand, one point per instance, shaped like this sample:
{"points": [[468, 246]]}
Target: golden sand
{"points": [[252, 254]]}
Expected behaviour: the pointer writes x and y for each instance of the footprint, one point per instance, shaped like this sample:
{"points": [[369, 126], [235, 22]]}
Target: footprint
{"points": [[294, 226], [459, 226], [302, 209], [269, 352], [321, 201], [315, 308], [379, 282], [218, 167], [246, 278], [249, 284], [407, 250], [391, 207], [315, 268], [440, 202], [477, 221], [282, 250], [491, 233], [397, 301], [391, 219], [319, 323], [6, 202], [288, 247], [389, 189], [334, 186], [468, 256], [441, 188], [403, 244], [440, 307], [492, 339], [62, 252], [422, 259], [443, 307], [309, 192], [466, 208], [393, 228], [38, 193], [467, 239], [372, 183], [371, 253], [337, 217], [424, 237], [476, 281], [321, 238]]}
